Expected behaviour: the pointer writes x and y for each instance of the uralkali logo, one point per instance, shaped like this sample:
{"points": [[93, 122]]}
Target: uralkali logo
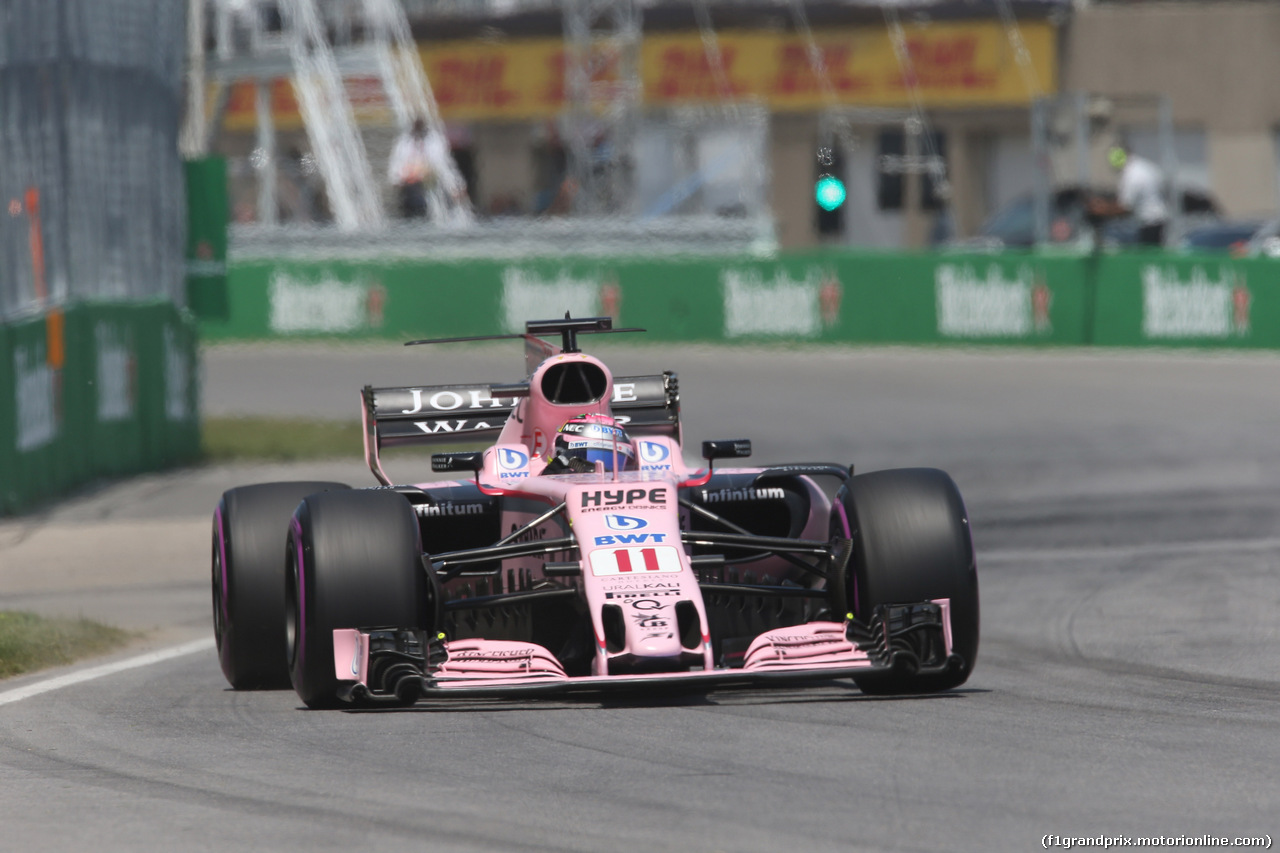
{"points": [[117, 373], [35, 384], [780, 305], [1197, 308], [528, 296], [990, 306], [325, 305]]}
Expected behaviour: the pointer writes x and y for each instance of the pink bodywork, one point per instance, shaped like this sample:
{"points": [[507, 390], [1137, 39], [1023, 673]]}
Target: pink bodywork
{"points": [[628, 529]]}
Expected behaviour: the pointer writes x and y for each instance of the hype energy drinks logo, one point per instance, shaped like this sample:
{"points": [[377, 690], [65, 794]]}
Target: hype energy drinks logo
{"points": [[526, 295], [35, 398], [989, 305], [1197, 307], [117, 368], [779, 305], [326, 304]]}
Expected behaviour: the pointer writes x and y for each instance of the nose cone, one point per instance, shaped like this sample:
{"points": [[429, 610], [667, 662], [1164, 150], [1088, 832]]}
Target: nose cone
{"points": [[656, 642]]}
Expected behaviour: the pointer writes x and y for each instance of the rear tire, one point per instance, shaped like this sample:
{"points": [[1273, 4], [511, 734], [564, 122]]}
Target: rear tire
{"points": [[354, 561], [250, 527], [911, 543]]}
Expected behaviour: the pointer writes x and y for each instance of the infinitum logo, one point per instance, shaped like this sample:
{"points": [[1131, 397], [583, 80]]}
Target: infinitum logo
{"points": [[747, 494], [446, 508]]}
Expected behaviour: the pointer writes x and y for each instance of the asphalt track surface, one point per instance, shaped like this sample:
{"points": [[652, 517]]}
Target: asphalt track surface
{"points": [[1126, 512]]}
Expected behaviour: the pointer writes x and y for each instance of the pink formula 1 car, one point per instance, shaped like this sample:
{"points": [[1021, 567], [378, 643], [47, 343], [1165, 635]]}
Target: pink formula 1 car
{"points": [[579, 552]]}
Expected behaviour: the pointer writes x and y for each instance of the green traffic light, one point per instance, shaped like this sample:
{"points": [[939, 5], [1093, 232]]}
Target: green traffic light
{"points": [[829, 192]]}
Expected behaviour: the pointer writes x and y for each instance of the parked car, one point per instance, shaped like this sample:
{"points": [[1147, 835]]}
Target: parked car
{"points": [[1227, 235], [1013, 226], [1265, 242]]}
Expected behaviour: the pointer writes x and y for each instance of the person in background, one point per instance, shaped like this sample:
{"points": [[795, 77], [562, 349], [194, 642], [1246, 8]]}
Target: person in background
{"points": [[1140, 194], [419, 161]]}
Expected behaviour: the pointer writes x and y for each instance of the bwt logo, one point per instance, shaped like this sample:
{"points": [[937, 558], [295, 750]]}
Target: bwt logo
{"points": [[512, 460], [652, 451], [624, 522], [631, 538]]}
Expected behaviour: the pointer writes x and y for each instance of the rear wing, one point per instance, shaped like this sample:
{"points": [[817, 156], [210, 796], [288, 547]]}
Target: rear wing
{"points": [[436, 414]]}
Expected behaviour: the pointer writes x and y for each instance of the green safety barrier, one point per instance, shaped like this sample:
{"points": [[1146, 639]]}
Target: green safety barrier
{"points": [[818, 296], [8, 424], [1157, 299], [94, 391], [206, 253], [38, 398], [1131, 299]]}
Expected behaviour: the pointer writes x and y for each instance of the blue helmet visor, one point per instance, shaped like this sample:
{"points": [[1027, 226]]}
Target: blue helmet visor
{"points": [[594, 455]]}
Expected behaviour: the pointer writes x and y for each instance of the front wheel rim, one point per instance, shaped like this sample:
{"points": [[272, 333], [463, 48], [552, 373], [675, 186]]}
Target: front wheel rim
{"points": [[291, 608], [219, 623]]}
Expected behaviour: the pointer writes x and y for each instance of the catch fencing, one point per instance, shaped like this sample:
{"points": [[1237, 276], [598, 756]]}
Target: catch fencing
{"points": [[98, 359], [90, 107]]}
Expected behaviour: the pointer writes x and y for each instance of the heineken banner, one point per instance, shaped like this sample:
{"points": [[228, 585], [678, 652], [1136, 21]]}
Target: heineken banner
{"points": [[1172, 300], [207, 217], [820, 296], [93, 391], [865, 297]]}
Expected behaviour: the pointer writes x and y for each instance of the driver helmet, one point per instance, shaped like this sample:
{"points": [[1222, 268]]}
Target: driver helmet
{"points": [[594, 438]]}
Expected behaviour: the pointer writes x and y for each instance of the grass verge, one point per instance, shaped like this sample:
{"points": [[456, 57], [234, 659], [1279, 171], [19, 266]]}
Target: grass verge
{"points": [[239, 439], [29, 642], [231, 439]]}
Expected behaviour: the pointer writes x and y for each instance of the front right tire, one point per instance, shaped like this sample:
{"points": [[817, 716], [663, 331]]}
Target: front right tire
{"points": [[354, 561], [250, 527]]}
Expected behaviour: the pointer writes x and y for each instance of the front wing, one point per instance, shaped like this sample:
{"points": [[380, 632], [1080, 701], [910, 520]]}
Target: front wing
{"points": [[396, 666]]}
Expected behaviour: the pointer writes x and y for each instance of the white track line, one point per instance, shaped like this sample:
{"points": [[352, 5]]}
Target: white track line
{"points": [[20, 693]]}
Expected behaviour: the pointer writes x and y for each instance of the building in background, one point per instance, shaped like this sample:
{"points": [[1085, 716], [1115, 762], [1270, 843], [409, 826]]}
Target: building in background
{"points": [[923, 109]]}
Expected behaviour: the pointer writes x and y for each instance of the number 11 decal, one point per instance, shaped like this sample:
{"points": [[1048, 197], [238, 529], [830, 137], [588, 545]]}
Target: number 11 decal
{"points": [[635, 561]]}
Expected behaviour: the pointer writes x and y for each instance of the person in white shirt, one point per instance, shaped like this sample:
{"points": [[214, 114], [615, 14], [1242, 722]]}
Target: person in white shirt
{"points": [[1140, 194], [419, 161]]}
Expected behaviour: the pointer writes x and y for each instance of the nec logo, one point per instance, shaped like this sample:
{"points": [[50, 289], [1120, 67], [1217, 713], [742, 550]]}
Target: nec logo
{"points": [[616, 497], [624, 522], [630, 538]]}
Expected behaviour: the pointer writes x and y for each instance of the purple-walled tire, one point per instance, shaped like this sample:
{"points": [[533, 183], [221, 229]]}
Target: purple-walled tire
{"points": [[911, 543], [355, 561], [250, 527]]}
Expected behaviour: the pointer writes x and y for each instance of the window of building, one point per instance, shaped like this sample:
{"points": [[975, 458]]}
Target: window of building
{"points": [[892, 175]]}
